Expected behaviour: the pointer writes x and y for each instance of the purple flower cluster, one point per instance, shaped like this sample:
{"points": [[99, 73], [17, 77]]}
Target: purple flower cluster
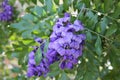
{"points": [[42, 68], [7, 11], [66, 45]]}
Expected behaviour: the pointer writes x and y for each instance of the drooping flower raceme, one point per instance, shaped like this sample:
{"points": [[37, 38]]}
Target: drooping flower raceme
{"points": [[66, 45], [42, 68], [6, 12]]}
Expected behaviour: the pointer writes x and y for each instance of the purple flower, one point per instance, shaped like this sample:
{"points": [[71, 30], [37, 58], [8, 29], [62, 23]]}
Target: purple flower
{"points": [[33, 68], [63, 21], [52, 56], [44, 66], [68, 62], [65, 42], [78, 25], [66, 15], [57, 29], [31, 71], [42, 42], [7, 11], [37, 70], [31, 65], [39, 40], [65, 46]]}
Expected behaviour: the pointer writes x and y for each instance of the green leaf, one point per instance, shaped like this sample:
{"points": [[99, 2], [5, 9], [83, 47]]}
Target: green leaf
{"points": [[89, 75], [97, 3], [90, 14], [114, 56], [92, 19], [108, 5], [56, 2], [18, 26], [42, 1], [64, 76], [39, 11], [38, 56], [46, 45], [23, 25], [98, 47], [27, 34], [34, 1], [29, 17], [112, 29], [87, 3], [103, 24], [55, 70], [53, 73], [50, 6], [16, 70], [89, 36], [116, 13], [60, 9], [81, 70], [66, 4], [79, 5]]}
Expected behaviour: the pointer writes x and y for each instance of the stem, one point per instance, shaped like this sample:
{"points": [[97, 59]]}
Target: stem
{"points": [[101, 13], [98, 34], [80, 11], [49, 17]]}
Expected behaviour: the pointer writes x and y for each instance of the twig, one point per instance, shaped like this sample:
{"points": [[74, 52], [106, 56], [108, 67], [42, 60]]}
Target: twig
{"points": [[98, 34], [80, 11], [101, 13]]}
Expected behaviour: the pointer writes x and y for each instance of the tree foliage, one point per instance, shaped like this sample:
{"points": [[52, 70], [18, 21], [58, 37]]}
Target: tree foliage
{"points": [[101, 54]]}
